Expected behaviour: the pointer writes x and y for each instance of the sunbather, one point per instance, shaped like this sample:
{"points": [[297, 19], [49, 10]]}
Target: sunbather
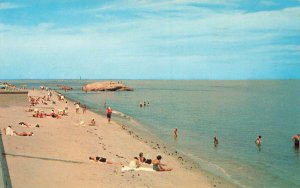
{"points": [[103, 160], [28, 124], [10, 132], [134, 163], [142, 159], [157, 165]]}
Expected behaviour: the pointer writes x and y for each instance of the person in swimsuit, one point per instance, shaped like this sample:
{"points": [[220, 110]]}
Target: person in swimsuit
{"points": [[108, 114], [296, 140], [258, 140], [93, 122], [11, 132], [157, 165], [142, 159], [175, 133], [103, 160], [134, 163], [216, 141]]}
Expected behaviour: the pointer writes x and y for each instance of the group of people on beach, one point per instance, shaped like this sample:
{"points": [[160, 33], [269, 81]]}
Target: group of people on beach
{"points": [[137, 162], [9, 131]]}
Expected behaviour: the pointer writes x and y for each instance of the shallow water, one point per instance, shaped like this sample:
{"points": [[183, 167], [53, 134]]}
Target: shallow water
{"points": [[235, 111]]}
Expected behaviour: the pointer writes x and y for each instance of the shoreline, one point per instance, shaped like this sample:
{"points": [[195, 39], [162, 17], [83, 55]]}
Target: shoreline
{"points": [[26, 154], [157, 144]]}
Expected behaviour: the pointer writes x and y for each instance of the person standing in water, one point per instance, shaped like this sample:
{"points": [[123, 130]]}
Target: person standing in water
{"points": [[296, 140], [216, 141], [175, 133], [108, 114], [258, 140]]}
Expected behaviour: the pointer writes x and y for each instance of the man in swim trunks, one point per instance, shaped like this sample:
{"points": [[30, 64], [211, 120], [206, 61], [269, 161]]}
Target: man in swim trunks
{"points": [[296, 140], [108, 113]]}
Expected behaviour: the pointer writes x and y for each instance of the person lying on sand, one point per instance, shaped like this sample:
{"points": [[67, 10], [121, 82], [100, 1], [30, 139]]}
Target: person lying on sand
{"points": [[28, 124], [157, 165], [10, 132], [54, 115], [24, 133], [103, 160]]}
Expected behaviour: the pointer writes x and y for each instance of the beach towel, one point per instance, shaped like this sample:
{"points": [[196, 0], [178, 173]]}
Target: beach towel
{"points": [[127, 168]]}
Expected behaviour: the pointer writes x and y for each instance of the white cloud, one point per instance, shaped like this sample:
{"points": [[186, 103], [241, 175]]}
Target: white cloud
{"points": [[195, 35]]}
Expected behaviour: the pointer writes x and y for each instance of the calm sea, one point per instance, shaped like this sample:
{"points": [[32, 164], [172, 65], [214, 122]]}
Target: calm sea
{"points": [[236, 111]]}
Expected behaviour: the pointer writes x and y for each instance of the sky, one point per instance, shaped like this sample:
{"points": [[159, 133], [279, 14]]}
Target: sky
{"points": [[143, 39]]}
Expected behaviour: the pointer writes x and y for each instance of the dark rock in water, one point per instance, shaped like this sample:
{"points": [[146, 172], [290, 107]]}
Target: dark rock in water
{"points": [[106, 86], [66, 88]]}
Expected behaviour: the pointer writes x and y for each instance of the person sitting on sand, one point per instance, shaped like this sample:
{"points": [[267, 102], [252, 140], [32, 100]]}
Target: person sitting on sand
{"points": [[93, 122], [296, 140], [54, 115], [9, 131], [157, 165], [103, 160], [134, 163], [142, 159]]}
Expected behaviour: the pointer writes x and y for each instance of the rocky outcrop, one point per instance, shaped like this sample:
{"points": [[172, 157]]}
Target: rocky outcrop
{"points": [[66, 88], [106, 86]]}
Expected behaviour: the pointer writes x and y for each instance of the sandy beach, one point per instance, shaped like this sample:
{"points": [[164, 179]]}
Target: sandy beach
{"points": [[57, 155]]}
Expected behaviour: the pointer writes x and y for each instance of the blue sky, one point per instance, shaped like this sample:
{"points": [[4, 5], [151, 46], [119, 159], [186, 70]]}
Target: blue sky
{"points": [[140, 39]]}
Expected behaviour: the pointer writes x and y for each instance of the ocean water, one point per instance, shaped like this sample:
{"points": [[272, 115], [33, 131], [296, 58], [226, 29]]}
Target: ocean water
{"points": [[236, 111]]}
